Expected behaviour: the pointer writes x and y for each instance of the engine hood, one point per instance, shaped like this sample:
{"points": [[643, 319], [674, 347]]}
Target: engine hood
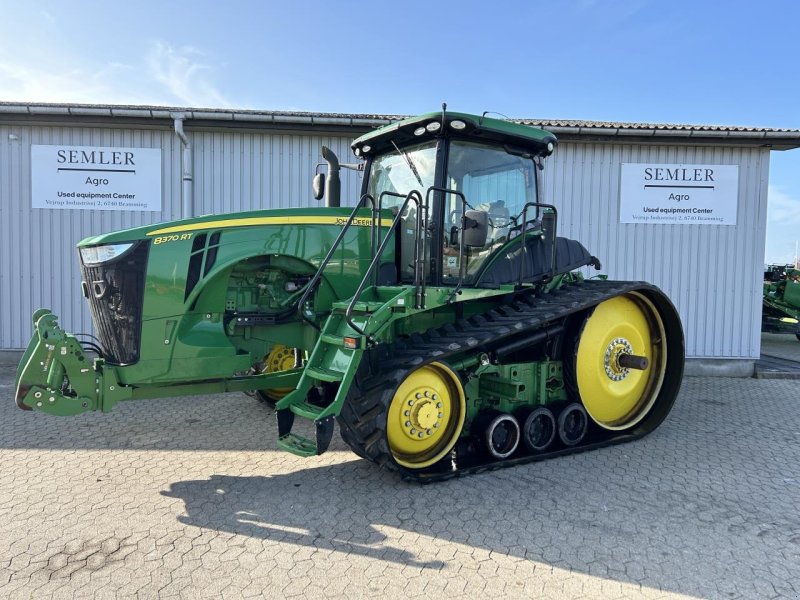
{"points": [[258, 218]]}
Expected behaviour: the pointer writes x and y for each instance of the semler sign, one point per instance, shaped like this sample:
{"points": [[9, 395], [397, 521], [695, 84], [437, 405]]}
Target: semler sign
{"points": [[95, 178], [683, 194]]}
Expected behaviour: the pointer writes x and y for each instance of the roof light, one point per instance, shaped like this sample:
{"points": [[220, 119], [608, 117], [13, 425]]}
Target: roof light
{"points": [[357, 152], [433, 126], [419, 131], [366, 148], [550, 146], [458, 125]]}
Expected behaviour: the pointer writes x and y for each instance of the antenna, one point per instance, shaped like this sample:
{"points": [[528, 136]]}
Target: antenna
{"points": [[491, 112]]}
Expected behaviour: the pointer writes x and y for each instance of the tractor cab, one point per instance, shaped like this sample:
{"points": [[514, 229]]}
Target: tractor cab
{"points": [[469, 187]]}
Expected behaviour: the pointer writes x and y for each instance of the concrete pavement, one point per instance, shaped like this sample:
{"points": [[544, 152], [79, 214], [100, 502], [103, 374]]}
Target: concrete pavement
{"points": [[188, 497]]}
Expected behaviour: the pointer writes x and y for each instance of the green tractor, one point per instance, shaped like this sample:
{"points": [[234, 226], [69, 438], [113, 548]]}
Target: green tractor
{"points": [[441, 321], [781, 308]]}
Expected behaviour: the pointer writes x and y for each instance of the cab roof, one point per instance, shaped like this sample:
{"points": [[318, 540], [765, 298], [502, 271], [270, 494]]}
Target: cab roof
{"points": [[478, 128]]}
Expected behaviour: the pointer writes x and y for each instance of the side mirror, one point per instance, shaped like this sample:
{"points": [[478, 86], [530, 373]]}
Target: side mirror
{"points": [[476, 228], [318, 186]]}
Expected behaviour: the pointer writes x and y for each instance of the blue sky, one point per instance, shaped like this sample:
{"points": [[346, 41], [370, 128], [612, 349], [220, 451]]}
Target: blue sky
{"points": [[732, 63]]}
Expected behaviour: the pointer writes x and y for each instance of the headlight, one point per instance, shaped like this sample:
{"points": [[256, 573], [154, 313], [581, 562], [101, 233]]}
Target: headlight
{"points": [[94, 255]]}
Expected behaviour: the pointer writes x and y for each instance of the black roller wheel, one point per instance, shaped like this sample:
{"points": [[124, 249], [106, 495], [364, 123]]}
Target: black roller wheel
{"points": [[572, 424], [539, 429], [501, 436]]}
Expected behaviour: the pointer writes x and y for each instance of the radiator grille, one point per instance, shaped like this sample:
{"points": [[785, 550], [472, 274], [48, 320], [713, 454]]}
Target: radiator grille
{"points": [[116, 294]]}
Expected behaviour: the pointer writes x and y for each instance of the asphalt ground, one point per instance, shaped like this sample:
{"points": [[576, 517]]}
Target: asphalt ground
{"points": [[188, 497], [780, 345]]}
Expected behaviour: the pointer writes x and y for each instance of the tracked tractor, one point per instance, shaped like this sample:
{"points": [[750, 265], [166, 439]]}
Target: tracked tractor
{"points": [[441, 320], [781, 307]]}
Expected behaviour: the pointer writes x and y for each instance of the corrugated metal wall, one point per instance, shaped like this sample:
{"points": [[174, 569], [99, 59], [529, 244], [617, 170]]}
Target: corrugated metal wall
{"points": [[234, 171], [711, 272]]}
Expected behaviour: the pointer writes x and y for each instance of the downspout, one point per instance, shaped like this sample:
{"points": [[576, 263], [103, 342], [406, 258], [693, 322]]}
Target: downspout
{"points": [[187, 198]]}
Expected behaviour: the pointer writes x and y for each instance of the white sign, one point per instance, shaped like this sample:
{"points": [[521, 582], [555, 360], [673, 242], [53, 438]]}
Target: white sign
{"points": [[93, 178], [684, 194]]}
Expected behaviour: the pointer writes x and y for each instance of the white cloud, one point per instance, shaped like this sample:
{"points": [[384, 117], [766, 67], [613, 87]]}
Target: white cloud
{"points": [[184, 74], [163, 75]]}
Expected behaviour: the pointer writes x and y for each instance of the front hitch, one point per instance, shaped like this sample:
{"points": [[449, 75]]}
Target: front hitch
{"points": [[55, 375]]}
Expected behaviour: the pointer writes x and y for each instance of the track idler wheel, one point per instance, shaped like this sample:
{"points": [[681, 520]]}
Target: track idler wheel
{"points": [[620, 362], [425, 416], [539, 429], [280, 358], [572, 424]]}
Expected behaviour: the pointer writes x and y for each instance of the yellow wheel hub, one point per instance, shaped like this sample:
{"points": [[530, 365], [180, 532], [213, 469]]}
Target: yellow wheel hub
{"points": [[617, 397], [425, 416], [280, 358]]}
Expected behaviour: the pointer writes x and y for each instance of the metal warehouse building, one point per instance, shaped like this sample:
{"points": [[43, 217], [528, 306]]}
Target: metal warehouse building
{"points": [[216, 161]]}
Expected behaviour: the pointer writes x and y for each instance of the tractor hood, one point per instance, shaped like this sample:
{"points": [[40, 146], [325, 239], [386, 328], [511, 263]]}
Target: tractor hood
{"points": [[283, 216]]}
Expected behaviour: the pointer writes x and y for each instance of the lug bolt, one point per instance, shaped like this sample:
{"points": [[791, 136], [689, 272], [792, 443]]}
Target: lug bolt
{"points": [[429, 432], [408, 423], [426, 393], [411, 403], [441, 415], [407, 413], [39, 404], [438, 404], [413, 431], [418, 396], [37, 395], [421, 434], [435, 397], [52, 399], [436, 425]]}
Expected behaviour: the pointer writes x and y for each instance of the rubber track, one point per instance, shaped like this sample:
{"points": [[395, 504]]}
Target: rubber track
{"points": [[363, 418]]}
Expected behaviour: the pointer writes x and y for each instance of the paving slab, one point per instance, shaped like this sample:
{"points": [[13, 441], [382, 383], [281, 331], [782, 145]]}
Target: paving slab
{"points": [[188, 497]]}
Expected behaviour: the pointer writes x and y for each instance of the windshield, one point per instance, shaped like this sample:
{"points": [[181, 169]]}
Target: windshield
{"points": [[392, 173]]}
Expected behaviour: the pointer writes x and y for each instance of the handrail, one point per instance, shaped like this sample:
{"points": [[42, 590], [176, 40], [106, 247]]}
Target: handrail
{"points": [[378, 233], [416, 197], [318, 275], [461, 262], [523, 233]]}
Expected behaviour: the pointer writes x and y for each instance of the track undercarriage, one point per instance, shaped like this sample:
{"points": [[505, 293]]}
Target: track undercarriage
{"points": [[407, 406]]}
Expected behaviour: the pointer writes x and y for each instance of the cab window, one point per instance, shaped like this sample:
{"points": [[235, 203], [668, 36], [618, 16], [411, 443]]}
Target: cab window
{"points": [[493, 181]]}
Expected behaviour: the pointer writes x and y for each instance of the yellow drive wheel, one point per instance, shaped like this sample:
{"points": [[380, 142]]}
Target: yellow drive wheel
{"points": [[280, 358], [620, 361], [425, 416]]}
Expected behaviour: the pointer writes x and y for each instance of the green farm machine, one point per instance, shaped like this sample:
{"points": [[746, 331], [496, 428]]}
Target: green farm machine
{"points": [[781, 306], [440, 321]]}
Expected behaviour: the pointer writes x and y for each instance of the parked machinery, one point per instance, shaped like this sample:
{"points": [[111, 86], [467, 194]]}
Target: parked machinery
{"points": [[441, 321]]}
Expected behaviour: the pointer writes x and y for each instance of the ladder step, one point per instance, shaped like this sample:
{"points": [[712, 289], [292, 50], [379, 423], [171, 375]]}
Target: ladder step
{"points": [[306, 410], [298, 445], [333, 340], [324, 374]]}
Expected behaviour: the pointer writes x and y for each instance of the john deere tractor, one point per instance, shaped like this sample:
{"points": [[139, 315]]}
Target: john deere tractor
{"points": [[781, 307], [441, 321]]}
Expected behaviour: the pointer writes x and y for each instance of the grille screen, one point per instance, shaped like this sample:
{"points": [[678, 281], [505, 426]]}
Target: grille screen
{"points": [[116, 294]]}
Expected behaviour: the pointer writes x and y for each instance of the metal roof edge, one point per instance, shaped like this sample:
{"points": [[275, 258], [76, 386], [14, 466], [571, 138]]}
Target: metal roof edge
{"points": [[557, 126]]}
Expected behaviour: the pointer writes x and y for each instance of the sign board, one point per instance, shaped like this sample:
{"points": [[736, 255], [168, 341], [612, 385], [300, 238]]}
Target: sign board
{"points": [[683, 194], [95, 178]]}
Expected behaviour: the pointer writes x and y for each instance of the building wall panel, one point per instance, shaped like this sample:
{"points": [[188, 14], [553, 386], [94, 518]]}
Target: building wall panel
{"points": [[711, 272]]}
